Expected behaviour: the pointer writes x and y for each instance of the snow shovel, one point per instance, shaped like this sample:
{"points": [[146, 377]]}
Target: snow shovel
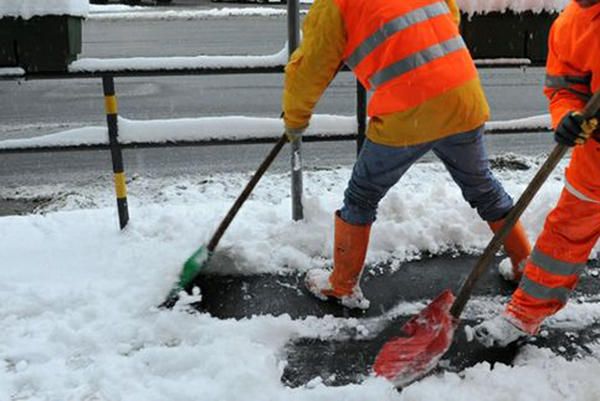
{"points": [[429, 334], [199, 259]]}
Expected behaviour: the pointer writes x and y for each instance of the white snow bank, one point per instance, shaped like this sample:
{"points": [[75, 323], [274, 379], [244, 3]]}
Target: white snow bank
{"points": [[11, 72], [542, 122], [102, 13], [32, 8], [220, 128], [78, 320], [112, 8], [177, 63], [485, 6], [185, 129]]}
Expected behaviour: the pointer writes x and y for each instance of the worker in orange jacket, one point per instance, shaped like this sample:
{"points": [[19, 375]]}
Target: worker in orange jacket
{"points": [[572, 228], [426, 95]]}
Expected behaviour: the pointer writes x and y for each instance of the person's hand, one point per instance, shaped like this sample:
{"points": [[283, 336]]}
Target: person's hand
{"points": [[294, 134], [573, 129]]}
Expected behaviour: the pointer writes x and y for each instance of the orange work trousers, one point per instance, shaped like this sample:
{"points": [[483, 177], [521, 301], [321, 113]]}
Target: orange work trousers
{"points": [[554, 266]]}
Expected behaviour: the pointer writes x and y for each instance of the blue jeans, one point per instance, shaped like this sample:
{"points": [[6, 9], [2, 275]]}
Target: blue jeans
{"points": [[379, 167]]}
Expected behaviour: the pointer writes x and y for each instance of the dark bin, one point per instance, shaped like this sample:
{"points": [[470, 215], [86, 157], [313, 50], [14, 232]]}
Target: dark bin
{"points": [[42, 43], [8, 42], [508, 35]]}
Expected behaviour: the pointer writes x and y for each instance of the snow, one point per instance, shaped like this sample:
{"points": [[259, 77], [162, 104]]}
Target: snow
{"points": [[489, 62], [486, 6], [185, 129], [470, 7], [542, 122], [506, 269], [11, 72], [79, 321], [32, 8], [120, 13], [220, 128], [177, 63]]}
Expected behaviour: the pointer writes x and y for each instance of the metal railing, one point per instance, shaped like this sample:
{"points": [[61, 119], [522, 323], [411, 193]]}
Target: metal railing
{"points": [[111, 109]]}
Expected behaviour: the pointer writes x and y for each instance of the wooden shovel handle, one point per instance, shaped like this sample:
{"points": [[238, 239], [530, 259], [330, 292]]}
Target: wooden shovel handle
{"points": [[246, 193]]}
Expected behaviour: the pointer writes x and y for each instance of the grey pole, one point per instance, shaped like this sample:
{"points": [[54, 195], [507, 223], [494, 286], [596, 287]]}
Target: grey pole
{"points": [[361, 115], [293, 22]]}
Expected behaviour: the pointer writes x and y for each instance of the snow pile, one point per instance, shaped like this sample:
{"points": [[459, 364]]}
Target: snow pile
{"points": [[79, 321], [538, 374], [11, 72], [185, 130], [486, 6], [120, 13], [222, 128], [32, 8], [178, 63]]}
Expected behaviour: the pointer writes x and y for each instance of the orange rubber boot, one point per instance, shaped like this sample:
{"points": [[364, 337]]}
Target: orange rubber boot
{"points": [[517, 247], [350, 250]]}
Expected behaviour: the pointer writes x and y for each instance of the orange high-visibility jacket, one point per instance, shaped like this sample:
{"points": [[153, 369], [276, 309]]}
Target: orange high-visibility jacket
{"points": [[409, 53], [573, 74]]}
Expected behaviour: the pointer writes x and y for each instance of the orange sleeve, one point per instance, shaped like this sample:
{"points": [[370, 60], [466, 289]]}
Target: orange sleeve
{"points": [[572, 69], [454, 10], [561, 101]]}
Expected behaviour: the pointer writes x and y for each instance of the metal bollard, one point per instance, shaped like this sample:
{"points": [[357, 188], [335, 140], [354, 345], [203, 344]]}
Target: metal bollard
{"points": [[111, 107], [293, 13]]}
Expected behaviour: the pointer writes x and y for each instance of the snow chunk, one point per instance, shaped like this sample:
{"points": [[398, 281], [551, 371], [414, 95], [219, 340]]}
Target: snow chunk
{"points": [[469, 333], [506, 270], [31, 8]]}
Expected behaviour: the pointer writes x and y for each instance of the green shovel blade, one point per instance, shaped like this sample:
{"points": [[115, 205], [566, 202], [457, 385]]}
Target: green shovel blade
{"points": [[191, 269]]}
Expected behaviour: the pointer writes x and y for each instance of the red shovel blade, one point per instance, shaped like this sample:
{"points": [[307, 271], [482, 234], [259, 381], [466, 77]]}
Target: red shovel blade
{"points": [[429, 335]]}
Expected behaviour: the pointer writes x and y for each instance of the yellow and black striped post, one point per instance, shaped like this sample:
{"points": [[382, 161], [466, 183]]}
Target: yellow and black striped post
{"points": [[110, 105]]}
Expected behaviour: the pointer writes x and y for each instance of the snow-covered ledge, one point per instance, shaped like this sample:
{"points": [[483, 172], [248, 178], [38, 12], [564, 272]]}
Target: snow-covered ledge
{"points": [[471, 7], [27, 9]]}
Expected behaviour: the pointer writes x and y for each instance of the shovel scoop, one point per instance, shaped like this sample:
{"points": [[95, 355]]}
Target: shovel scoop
{"points": [[429, 334]]}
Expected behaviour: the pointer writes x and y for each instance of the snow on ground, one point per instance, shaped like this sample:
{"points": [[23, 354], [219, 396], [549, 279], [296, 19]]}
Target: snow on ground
{"points": [[79, 321], [32, 8]]}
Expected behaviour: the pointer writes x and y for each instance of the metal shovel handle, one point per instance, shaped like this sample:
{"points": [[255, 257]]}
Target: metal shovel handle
{"points": [[494, 245]]}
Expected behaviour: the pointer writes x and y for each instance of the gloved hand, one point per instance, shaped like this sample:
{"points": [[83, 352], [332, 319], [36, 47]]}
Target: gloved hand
{"points": [[294, 134], [573, 129]]}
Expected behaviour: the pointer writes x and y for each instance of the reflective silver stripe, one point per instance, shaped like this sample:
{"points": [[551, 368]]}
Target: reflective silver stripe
{"points": [[395, 26], [542, 292], [578, 194], [565, 81], [554, 266], [416, 60]]}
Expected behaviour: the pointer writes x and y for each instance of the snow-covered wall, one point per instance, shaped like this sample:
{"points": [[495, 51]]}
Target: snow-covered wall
{"points": [[32, 8], [486, 6]]}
